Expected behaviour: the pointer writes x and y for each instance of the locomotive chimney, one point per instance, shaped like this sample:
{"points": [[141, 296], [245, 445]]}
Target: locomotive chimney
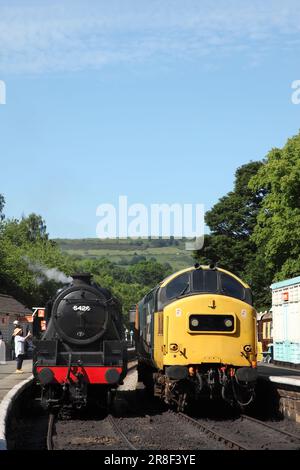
{"points": [[82, 278]]}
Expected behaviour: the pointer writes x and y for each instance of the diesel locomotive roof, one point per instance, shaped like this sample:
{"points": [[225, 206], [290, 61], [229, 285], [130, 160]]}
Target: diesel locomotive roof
{"points": [[204, 267]]}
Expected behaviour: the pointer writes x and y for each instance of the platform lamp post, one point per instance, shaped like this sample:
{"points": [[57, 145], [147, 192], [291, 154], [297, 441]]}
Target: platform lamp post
{"points": [[2, 350]]}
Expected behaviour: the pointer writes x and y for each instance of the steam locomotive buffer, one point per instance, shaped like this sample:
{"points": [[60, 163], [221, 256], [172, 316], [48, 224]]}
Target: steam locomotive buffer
{"points": [[82, 354]]}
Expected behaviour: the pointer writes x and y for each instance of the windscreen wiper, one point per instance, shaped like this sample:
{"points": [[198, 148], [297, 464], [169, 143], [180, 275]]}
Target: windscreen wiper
{"points": [[183, 291]]}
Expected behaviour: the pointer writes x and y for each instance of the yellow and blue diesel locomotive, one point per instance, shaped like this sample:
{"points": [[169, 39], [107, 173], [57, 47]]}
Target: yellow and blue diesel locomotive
{"points": [[196, 337]]}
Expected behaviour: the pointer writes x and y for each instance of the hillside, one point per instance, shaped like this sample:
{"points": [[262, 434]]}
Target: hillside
{"points": [[126, 252]]}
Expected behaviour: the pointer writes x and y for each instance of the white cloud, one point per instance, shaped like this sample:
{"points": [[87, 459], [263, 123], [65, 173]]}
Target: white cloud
{"points": [[54, 35]]}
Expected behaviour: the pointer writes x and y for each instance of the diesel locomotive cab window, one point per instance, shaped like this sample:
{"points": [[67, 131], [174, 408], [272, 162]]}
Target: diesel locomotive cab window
{"points": [[232, 287], [205, 280], [179, 286]]}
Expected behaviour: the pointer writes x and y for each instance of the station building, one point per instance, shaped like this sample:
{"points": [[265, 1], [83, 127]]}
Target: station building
{"points": [[11, 310], [286, 321], [264, 334]]}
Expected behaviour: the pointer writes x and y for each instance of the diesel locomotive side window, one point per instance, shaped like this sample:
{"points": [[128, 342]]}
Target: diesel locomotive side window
{"points": [[148, 311], [179, 286], [248, 296], [232, 287]]}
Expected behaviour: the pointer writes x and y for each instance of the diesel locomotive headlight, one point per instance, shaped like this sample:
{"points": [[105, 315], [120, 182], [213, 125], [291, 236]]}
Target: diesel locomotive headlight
{"points": [[247, 348], [195, 322], [228, 323]]}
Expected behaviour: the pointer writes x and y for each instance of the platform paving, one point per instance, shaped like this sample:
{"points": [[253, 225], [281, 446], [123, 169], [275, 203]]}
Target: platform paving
{"points": [[8, 378], [279, 374]]}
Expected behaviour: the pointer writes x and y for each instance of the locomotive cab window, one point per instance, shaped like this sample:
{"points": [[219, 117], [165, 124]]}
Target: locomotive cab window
{"points": [[205, 280], [202, 281], [232, 287], [179, 286]]}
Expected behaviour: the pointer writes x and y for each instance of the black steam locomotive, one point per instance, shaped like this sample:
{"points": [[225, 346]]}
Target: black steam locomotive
{"points": [[82, 355]]}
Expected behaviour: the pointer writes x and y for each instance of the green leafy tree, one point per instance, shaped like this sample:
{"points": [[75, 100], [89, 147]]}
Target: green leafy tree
{"points": [[149, 273], [26, 259], [232, 221], [235, 214], [277, 232], [2, 204], [128, 285]]}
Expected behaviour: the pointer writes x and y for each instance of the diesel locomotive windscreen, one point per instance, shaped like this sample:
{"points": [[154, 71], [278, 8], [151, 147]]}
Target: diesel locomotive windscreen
{"points": [[203, 281]]}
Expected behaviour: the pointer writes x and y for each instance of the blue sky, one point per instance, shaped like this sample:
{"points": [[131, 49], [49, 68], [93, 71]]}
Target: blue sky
{"points": [[157, 100]]}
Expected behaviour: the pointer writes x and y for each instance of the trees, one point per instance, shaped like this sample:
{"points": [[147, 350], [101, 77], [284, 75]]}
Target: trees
{"points": [[128, 284], [277, 232], [32, 267], [232, 221], [26, 259], [149, 273], [2, 204], [255, 233], [255, 229], [235, 214]]}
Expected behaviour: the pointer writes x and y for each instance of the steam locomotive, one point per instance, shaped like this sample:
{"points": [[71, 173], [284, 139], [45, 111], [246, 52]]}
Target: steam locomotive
{"points": [[82, 355]]}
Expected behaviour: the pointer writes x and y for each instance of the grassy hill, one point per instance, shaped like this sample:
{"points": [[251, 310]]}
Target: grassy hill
{"points": [[126, 252]]}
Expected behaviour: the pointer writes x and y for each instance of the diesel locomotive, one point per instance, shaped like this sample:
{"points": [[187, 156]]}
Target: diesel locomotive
{"points": [[82, 355], [196, 337]]}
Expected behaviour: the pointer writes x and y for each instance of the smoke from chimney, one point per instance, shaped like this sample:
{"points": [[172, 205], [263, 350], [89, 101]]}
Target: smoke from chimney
{"points": [[52, 274]]}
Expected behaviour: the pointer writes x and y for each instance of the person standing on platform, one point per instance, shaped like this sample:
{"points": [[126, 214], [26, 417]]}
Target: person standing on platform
{"points": [[16, 324], [20, 347]]}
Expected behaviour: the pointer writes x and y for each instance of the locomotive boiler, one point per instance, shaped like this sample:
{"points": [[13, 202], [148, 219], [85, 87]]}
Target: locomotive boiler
{"points": [[82, 355], [196, 337]]}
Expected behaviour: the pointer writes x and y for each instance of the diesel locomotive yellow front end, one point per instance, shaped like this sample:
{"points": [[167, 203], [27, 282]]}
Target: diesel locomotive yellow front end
{"points": [[196, 336]]}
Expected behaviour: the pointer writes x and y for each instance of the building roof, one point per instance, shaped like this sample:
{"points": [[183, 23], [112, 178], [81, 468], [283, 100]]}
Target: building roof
{"points": [[10, 305], [286, 283]]}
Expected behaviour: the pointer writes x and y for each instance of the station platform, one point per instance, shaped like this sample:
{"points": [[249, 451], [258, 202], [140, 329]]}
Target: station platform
{"points": [[11, 385], [8, 377], [279, 374], [278, 390]]}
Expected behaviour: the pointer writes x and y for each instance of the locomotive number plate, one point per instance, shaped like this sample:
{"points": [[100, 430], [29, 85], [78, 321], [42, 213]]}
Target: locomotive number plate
{"points": [[82, 308]]}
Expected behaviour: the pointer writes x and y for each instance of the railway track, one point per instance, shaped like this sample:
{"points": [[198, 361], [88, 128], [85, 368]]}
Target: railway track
{"points": [[217, 436], [113, 423], [247, 433], [50, 432], [52, 443], [120, 433], [293, 437], [261, 433], [146, 431]]}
